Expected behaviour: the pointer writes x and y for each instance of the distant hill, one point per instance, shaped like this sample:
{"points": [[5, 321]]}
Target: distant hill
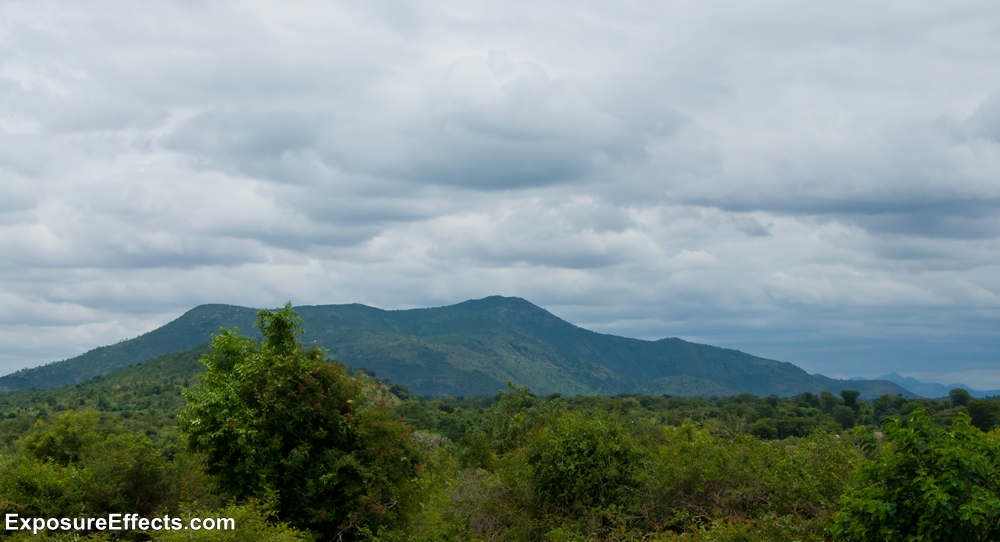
{"points": [[474, 348], [932, 390], [192, 329], [148, 396]]}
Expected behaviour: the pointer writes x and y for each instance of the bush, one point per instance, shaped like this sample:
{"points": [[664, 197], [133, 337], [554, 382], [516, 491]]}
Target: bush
{"points": [[927, 484], [73, 466], [252, 523], [697, 475], [766, 529], [584, 461]]}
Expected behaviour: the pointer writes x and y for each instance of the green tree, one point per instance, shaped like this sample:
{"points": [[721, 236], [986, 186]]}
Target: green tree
{"points": [[765, 428], [828, 400], [511, 422], [959, 397], [844, 415], [276, 417], [927, 484], [984, 414], [850, 397]]}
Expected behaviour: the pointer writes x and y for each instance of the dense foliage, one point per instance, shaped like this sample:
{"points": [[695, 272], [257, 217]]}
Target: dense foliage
{"points": [[297, 447], [145, 398], [73, 465], [589, 469], [581, 462], [929, 484], [275, 417]]}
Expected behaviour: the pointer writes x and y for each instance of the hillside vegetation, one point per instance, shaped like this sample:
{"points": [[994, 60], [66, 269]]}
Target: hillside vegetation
{"points": [[296, 447], [475, 348]]}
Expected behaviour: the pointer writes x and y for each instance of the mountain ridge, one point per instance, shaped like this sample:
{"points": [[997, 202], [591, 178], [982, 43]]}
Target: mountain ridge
{"points": [[475, 348], [931, 389]]}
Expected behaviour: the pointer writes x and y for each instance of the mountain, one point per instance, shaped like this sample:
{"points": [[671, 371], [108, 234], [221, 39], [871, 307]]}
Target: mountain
{"points": [[192, 329], [474, 348], [930, 389]]}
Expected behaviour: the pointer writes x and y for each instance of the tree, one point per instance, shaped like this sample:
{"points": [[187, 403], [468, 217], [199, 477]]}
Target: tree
{"points": [[984, 414], [927, 484], [275, 417], [63, 441], [844, 415], [959, 397], [828, 400], [850, 397], [765, 428]]}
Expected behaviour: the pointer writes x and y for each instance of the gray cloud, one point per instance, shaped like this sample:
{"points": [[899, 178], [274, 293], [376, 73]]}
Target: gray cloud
{"points": [[254, 143], [490, 123], [794, 181], [985, 120]]}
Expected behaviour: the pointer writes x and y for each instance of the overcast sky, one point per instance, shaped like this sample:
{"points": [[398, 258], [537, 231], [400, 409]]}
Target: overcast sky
{"points": [[811, 182]]}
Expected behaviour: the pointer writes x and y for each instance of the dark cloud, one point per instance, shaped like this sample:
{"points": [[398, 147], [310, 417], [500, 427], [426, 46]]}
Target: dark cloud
{"points": [[931, 224], [946, 217]]}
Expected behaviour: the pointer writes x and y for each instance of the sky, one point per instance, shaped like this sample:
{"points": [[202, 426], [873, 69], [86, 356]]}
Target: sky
{"points": [[816, 183]]}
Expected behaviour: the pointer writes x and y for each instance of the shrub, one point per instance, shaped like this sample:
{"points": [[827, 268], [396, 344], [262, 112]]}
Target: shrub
{"points": [[927, 484], [73, 466], [584, 461], [697, 475], [252, 523]]}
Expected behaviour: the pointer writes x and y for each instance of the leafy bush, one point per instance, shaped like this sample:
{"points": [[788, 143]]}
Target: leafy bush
{"points": [[697, 475], [766, 529], [252, 523], [927, 484], [584, 461], [63, 441], [74, 466]]}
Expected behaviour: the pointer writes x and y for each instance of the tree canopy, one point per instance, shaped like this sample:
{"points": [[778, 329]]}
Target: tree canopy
{"points": [[276, 417]]}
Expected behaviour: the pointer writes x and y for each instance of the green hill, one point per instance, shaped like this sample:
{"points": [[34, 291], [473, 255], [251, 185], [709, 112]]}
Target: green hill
{"points": [[192, 329], [147, 397], [474, 348]]}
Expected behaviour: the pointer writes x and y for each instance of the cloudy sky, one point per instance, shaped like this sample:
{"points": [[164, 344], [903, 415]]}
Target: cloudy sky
{"points": [[812, 182]]}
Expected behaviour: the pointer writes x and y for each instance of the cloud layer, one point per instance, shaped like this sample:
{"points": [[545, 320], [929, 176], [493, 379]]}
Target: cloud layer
{"points": [[812, 183]]}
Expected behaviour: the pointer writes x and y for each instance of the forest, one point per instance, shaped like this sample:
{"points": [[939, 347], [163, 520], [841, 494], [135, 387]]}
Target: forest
{"points": [[295, 446]]}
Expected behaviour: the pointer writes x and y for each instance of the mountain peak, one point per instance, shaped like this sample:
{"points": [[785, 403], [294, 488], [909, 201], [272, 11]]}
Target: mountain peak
{"points": [[496, 301]]}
